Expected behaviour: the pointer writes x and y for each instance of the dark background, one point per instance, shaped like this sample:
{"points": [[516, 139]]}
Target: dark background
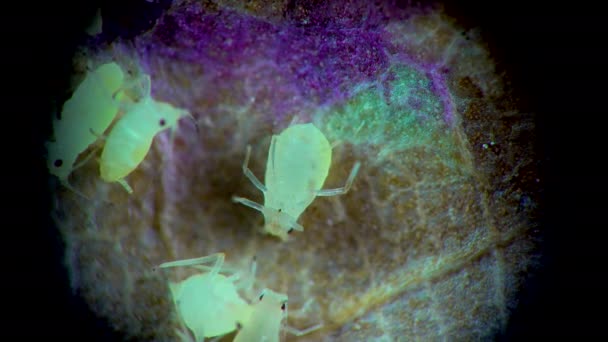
{"points": [[554, 54]]}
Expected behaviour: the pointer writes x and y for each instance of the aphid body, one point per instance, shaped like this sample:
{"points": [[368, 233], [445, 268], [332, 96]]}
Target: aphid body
{"points": [[266, 319], [210, 306], [130, 139], [89, 111], [298, 164], [208, 303]]}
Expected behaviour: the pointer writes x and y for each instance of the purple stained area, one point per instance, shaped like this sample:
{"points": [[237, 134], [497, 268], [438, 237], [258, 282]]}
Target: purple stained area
{"points": [[292, 66], [440, 88]]}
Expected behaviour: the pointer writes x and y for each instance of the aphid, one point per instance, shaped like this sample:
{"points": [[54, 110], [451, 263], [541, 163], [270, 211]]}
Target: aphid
{"points": [[267, 318], [209, 303], [92, 108], [210, 306], [128, 142], [297, 166]]}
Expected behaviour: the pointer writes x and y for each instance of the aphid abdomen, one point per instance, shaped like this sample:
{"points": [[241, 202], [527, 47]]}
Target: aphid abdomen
{"points": [[298, 163], [297, 168], [125, 148], [84, 117], [90, 109], [210, 305], [111, 76]]}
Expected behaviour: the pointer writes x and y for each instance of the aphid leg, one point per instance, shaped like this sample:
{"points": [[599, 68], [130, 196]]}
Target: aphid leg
{"points": [[217, 257], [126, 102], [85, 159], [298, 332], [97, 135], [69, 187], [335, 143], [303, 309], [343, 190], [358, 129], [250, 174], [248, 285], [184, 337], [217, 338], [130, 84], [249, 203], [123, 105], [125, 185], [232, 273], [172, 136], [189, 115], [296, 226], [294, 120], [273, 146], [299, 312], [146, 86]]}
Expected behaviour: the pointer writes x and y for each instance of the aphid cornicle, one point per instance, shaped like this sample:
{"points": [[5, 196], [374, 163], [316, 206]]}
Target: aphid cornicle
{"points": [[210, 306], [92, 108], [130, 139], [297, 166]]}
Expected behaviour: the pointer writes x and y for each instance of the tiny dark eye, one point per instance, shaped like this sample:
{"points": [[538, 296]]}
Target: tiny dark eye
{"points": [[290, 230], [238, 326], [280, 210], [58, 162], [283, 307], [261, 296], [162, 122]]}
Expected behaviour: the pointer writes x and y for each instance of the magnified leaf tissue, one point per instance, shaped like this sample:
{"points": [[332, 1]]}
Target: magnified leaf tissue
{"points": [[386, 128]]}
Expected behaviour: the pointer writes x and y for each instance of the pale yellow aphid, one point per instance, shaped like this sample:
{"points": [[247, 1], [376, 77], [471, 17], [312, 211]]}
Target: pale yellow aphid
{"points": [[130, 139], [92, 108], [267, 318], [209, 303], [210, 306], [297, 166]]}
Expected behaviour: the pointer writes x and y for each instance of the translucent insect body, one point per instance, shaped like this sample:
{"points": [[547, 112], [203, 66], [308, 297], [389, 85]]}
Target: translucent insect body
{"points": [[130, 139], [210, 306], [92, 108], [265, 322], [208, 303], [298, 164]]}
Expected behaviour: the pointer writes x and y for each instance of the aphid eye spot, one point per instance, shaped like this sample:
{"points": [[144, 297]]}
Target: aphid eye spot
{"points": [[162, 122], [280, 210], [238, 325], [261, 296], [58, 162], [283, 307], [290, 230]]}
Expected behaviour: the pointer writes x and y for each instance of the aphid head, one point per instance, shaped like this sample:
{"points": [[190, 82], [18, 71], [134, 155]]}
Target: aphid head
{"points": [[59, 162], [273, 302], [279, 223], [167, 116]]}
